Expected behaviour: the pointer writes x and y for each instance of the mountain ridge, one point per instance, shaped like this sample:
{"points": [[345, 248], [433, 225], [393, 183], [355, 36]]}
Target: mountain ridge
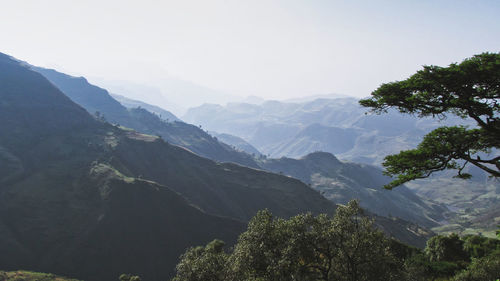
{"points": [[175, 132], [96, 99], [341, 181], [94, 200]]}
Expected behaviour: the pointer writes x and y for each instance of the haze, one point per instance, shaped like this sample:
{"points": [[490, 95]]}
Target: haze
{"points": [[228, 50]]}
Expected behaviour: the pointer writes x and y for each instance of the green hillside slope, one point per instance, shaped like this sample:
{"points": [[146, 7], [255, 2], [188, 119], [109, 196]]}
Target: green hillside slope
{"points": [[341, 181]]}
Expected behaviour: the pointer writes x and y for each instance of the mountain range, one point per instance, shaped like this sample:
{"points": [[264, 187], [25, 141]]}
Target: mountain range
{"points": [[93, 195], [402, 203], [336, 125], [164, 115], [95, 99], [340, 182], [339, 125], [82, 197]]}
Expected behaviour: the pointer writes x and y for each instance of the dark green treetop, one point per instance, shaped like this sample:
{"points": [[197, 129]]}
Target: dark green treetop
{"points": [[345, 247], [470, 90], [129, 277]]}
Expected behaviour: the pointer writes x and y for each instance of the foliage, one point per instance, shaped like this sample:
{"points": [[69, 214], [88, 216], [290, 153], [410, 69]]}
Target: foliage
{"points": [[485, 268], [129, 277], [22, 275], [470, 90], [446, 248], [479, 246], [304, 247], [344, 247], [203, 263], [442, 258], [445, 256]]}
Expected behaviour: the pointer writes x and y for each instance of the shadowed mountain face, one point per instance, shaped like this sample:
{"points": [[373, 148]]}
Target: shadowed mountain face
{"points": [[95, 99], [87, 199]]}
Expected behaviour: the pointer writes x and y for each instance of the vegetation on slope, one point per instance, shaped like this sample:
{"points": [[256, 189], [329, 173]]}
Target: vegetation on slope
{"points": [[22, 275], [342, 181]]}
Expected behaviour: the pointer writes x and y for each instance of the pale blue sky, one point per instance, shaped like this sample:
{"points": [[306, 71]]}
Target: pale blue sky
{"points": [[273, 49]]}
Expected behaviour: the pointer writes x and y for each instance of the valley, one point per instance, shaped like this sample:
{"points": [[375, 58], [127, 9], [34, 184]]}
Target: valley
{"points": [[94, 185]]}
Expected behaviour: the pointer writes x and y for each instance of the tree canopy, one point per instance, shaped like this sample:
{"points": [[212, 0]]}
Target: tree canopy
{"points": [[344, 247], [470, 90]]}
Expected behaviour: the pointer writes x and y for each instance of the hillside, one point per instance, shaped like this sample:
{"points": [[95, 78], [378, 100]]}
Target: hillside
{"points": [[473, 206], [340, 182], [22, 275], [95, 99], [66, 210], [88, 199]]}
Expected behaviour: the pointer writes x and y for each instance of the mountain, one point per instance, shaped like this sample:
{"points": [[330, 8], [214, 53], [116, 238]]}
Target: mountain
{"points": [[342, 127], [224, 189], [88, 199], [198, 141], [191, 137], [131, 103], [336, 125], [341, 182], [237, 143], [65, 210], [95, 99], [164, 90], [316, 137]]}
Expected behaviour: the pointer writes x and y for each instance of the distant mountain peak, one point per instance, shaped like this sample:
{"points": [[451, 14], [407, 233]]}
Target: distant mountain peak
{"points": [[321, 156]]}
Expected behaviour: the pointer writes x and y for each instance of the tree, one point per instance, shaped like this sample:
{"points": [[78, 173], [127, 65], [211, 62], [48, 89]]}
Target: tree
{"points": [[470, 90], [485, 268], [354, 248], [266, 250], [345, 247], [478, 246], [203, 263], [446, 248], [129, 277]]}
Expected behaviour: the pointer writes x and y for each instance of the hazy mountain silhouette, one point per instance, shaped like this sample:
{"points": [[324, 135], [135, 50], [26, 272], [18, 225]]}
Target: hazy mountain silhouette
{"points": [[314, 137], [79, 197], [131, 104], [295, 129], [96, 99], [237, 143]]}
